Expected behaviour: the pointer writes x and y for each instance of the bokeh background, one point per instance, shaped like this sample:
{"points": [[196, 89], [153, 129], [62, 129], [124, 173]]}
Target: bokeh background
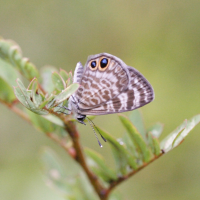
{"points": [[159, 38]]}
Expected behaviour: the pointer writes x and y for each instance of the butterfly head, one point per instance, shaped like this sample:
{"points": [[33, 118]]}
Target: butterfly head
{"points": [[81, 118]]}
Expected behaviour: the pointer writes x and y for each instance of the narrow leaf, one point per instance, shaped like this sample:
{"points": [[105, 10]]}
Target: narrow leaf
{"points": [[54, 172], [103, 170], [6, 92], [137, 120], [25, 98], [136, 138], [65, 94], [166, 144], [8, 75], [73, 187], [64, 75], [156, 129], [154, 144], [11, 53], [157, 149], [30, 86], [190, 125], [130, 146], [47, 83], [121, 155], [54, 119], [58, 81], [36, 97], [42, 124]]}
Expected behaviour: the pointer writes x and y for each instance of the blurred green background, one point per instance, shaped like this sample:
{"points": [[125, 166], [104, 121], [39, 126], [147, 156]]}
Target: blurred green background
{"points": [[159, 38]]}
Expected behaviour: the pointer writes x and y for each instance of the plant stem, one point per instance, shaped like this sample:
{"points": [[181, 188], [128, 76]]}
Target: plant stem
{"points": [[77, 152], [121, 179], [24, 116], [80, 158]]}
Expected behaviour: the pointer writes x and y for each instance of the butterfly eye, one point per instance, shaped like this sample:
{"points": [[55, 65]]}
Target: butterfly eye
{"points": [[104, 63], [93, 64]]}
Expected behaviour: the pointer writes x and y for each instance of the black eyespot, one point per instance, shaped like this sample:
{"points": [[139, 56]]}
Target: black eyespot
{"points": [[93, 64], [104, 62]]}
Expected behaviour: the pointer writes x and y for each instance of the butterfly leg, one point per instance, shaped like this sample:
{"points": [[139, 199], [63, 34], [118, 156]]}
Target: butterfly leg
{"points": [[66, 108], [63, 112]]}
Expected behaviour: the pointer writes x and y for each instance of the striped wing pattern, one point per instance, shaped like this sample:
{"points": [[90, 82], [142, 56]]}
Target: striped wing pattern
{"points": [[98, 87], [138, 94], [119, 88]]}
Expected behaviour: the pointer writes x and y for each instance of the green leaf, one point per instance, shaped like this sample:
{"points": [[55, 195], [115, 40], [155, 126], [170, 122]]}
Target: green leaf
{"points": [[178, 135], [154, 144], [23, 95], [58, 81], [157, 149], [101, 169], [42, 124], [122, 157], [136, 138], [156, 129], [30, 86], [46, 101], [68, 82], [11, 53], [130, 146], [64, 95], [166, 143], [73, 188], [54, 119], [54, 172], [64, 75], [25, 98], [8, 75], [190, 125], [6, 92], [47, 83], [137, 120], [51, 161], [36, 97], [85, 192]]}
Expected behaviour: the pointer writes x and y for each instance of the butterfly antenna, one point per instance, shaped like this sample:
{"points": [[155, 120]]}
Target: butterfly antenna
{"points": [[97, 129], [95, 134]]}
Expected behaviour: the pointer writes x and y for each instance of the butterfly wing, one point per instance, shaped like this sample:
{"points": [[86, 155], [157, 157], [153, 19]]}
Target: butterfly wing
{"points": [[104, 78], [138, 94], [78, 73]]}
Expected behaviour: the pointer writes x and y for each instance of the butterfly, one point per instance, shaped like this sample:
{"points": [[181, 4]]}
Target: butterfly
{"points": [[107, 86]]}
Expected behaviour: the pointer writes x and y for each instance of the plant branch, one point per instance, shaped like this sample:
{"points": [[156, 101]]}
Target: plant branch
{"points": [[24, 116], [70, 127], [121, 179], [76, 152]]}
